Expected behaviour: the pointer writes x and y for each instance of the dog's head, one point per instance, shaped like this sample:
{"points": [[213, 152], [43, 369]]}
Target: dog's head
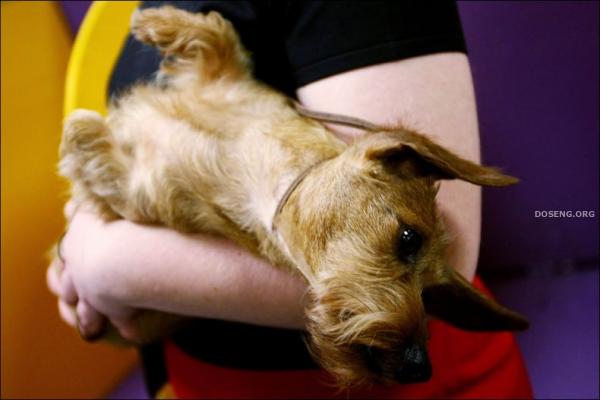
{"points": [[374, 244]]}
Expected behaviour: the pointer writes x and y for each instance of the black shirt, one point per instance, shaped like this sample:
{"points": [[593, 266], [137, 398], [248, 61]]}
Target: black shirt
{"points": [[294, 43]]}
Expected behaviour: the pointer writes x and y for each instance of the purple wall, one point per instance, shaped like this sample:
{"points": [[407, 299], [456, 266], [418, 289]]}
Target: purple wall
{"points": [[561, 346], [131, 388], [535, 67], [74, 12]]}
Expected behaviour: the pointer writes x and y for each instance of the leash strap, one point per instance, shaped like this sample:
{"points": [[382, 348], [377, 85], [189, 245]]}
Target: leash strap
{"points": [[291, 189], [336, 118]]}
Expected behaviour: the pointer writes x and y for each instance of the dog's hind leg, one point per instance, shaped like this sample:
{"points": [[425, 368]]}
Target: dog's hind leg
{"points": [[205, 44], [90, 160]]}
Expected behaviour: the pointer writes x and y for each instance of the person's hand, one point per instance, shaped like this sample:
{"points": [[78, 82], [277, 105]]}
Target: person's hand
{"points": [[74, 311], [76, 278]]}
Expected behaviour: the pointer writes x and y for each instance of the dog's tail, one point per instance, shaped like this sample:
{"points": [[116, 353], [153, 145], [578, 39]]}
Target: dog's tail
{"points": [[89, 161], [205, 44]]}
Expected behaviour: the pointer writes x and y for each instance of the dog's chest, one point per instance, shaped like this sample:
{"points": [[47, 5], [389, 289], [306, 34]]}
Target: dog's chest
{"points": [[238, 166]]}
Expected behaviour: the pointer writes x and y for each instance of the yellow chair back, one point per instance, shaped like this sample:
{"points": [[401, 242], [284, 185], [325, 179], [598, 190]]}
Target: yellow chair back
{"points": [[96, 48]]}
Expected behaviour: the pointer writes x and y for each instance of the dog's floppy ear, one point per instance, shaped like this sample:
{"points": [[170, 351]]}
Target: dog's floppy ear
{"points": [[453, 299], [395, 146]]}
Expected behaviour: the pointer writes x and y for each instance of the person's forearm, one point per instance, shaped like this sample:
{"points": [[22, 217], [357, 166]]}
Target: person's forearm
{"points": [[200, 275], [433, 94]]}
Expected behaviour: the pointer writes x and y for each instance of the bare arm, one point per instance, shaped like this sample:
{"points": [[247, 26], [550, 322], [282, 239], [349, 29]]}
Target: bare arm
{"points": [[121, 266]]}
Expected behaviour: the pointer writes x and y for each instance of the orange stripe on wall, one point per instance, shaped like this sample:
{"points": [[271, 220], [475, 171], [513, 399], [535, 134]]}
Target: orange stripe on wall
{"points": [[41, 356]]}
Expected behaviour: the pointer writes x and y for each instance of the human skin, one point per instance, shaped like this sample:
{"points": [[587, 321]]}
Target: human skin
{"points": [[115, 269]]}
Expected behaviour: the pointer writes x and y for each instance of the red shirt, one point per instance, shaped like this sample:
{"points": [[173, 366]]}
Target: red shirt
{"points": [[465, 365]]}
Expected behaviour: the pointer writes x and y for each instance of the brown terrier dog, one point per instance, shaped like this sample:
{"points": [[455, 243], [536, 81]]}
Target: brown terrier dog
{"points": [[209, 149]]}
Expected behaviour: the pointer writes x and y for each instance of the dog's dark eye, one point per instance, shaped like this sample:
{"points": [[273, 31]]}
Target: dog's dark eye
{"points": [[409, 244]]}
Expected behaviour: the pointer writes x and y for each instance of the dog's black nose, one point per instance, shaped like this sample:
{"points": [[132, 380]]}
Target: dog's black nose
{"points": [[416, 366]]}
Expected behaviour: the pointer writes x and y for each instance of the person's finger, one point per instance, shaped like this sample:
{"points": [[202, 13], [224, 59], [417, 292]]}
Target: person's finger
{"points": [[128, 328], [67, 290], [67, 313], [90, 322], [52, 277], [59, 250]]}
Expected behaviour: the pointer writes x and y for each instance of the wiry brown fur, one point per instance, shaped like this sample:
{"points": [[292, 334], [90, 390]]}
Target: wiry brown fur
{"points": [[209, 149]]}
